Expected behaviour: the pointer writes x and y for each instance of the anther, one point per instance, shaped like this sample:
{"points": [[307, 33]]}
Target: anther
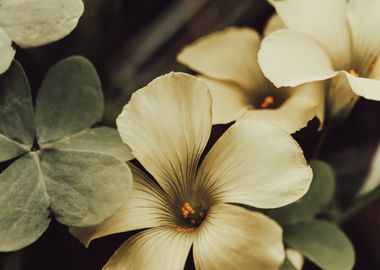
{"points": [[354, 73], [269, 100]]}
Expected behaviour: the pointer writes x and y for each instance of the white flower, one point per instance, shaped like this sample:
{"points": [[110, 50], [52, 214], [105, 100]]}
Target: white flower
{"points": [[31, 23], [193, 203], [326, 39], [228, 63]]}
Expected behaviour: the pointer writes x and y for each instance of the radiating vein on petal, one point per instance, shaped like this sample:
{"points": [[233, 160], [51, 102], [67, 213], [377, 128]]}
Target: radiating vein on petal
{"points": [[167, 125], [146, 207], [236, 238], [158, 248], [257, 164]]}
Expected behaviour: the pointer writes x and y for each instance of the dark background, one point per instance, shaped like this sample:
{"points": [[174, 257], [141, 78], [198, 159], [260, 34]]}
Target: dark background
{"points": [[132, 42]]}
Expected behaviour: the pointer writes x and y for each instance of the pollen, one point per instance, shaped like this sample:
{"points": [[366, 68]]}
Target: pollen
{"points": [[268, 101], [353, 72], [193, 217], [373, 65]]}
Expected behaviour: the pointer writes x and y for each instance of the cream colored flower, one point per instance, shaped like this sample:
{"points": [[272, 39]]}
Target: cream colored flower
{"points": [[295, 258], [193, 203], [228, 62], [31, 23], [326, 39]]}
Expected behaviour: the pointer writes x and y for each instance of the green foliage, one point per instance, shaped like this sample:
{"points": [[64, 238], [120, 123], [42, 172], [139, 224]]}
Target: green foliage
{"points": [[77, 172], [321, 242]]}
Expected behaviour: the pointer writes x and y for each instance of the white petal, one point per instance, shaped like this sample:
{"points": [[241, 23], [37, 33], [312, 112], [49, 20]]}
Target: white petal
{"points": [[364, 87], [229, 55], [167, 125], [365, 24], [257, 164], [288, 58], [159, 248], [235, 238], [146, 207], [6, 51], [373, 179], [295, 258], [229, 101], [341, 99], [37, 22], [274, 23], [295, 112], [323, 20]]}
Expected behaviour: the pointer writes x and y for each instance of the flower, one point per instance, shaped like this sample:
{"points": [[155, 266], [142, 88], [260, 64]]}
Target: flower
{"points": [[326, 39], [32, 23], [193, 203], [228, 62]]}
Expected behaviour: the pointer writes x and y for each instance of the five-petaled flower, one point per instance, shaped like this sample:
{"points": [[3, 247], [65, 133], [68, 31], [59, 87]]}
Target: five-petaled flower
{"points": [[326, 39], [191, 200], [228, 62], [31, 23]]}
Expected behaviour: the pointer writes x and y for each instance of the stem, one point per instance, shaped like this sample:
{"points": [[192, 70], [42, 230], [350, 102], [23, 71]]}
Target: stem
{"points": [[358, 205]]}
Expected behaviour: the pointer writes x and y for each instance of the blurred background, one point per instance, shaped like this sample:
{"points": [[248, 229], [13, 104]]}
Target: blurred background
{"points": [[132, 42]]}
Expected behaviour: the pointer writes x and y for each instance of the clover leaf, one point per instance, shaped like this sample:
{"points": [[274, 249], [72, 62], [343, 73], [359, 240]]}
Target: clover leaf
{"points": [[58, 164]]}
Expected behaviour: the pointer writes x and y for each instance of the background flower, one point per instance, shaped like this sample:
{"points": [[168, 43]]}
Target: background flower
{"points": [[326, 39], [228, 62]]}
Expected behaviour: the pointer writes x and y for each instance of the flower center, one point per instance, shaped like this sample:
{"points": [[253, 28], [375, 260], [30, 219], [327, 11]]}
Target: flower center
{"points": [[193, 216], [267, 102]]}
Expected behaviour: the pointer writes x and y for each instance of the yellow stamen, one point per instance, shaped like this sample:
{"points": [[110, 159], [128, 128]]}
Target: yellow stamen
{"points": [[182, 229], [202, 214], [185, 214], [354, 73], [373, 65], [269, 100]]}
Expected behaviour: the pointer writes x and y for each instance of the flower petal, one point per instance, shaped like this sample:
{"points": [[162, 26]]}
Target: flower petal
{"points": [[296, 111], [229, 55], [365, 23], [146, 207], [295, 257], [323, 20], [167, 125], [229, 101], [158, 248], [274, 23], [341, 99], [364, 87], [7, 52], [288, 58], [45, 20], [254, 163], [232, 237]]}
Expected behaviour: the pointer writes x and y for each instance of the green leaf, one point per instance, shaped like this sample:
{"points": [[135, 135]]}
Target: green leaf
{"points": [[16, 113], [24, 214], [84, 188], [47, 20], [69, 100], [322, 243], [101, 140], [287, 265], [318, 197]]}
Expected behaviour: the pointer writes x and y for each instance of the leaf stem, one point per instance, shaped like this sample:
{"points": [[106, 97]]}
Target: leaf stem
{"points": [[358, 205]]}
